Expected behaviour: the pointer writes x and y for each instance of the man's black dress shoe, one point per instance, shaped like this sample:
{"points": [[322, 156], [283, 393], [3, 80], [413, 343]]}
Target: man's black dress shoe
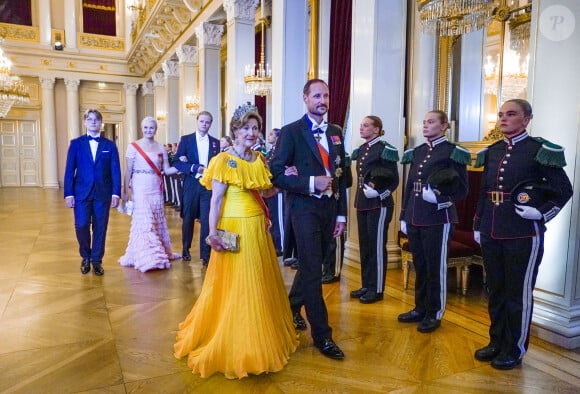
{"points": [[330, 279], [185, 256], [370, 297], [428, 324], [98, 269], [289, 261], [358, 293], [504, 361], [85, 266], [329, 349], [295, 265], [411, 317], [487, 353], [204, 263], [299, 321]]}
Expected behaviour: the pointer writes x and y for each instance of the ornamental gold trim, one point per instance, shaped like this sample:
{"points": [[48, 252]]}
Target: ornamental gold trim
{"points": [[96, 41], [13, 32]]}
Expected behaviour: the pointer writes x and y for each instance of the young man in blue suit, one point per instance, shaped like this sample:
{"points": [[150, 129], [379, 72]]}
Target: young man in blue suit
{"points": [[317, 202], [92, 185], [198, 148]]}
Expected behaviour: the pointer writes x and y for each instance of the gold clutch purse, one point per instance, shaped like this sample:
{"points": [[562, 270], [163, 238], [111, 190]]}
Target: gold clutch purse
{"points": [[229, 239]]}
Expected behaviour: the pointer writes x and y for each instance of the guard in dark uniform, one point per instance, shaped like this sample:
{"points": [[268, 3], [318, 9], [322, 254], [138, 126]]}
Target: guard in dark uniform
{"points": [[523, 187], [427, 216], [377, 179]]}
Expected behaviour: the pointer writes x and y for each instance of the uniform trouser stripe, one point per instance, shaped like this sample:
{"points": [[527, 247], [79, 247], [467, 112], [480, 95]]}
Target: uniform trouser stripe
{"points": [[527, 294], [443, 269], [380, 249]]}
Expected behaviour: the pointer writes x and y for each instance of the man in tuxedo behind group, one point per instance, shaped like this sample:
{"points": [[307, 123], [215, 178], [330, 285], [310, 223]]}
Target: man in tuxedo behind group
{"points": [[92, 185], [198, 147], [317, 202]]}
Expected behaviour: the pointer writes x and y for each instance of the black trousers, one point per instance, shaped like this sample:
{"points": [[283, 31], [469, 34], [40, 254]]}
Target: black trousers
{"points": [[316, 219], [288, 240], [429, 245], [373, 226], [276, 207], [511, 266], [195, 205]]}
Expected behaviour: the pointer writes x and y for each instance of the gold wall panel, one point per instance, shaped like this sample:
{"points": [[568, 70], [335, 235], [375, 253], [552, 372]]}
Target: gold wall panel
{"points": [[96, 41], [19, 32]]}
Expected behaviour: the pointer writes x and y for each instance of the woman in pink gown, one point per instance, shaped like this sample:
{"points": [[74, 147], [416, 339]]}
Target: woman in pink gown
{"points": [[149, 245]]}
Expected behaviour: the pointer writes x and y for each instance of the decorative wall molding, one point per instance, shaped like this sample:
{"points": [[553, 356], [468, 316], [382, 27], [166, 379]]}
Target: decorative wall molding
{"points": [[209, 34], [95, 41], [19, 32]]}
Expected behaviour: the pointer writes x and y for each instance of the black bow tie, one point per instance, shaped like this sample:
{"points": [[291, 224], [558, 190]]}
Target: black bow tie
{"points": [[97, 139]]}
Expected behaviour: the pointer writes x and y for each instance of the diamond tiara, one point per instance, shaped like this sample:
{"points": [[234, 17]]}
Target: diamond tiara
{"points": [[244, 109]]}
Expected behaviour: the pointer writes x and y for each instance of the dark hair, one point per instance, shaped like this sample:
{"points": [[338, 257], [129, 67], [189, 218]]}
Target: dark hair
{"points": [[442, 116], [377, 122], [277, 132], [204, 113], [310, 82], [236, 124], [524, 105], [95, 112]]}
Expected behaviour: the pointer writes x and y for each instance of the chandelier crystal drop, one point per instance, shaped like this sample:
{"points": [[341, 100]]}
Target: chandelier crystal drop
{"points": [[258, 77], [12, 89], [454, 17]]}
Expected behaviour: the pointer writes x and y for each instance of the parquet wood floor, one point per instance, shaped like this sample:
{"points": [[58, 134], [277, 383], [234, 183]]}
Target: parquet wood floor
{"points": [[61, 332]]}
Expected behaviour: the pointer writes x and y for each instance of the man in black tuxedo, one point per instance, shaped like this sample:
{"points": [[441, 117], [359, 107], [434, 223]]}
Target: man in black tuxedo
{"points": [[92, 185], [317, 202], [198, 148]]}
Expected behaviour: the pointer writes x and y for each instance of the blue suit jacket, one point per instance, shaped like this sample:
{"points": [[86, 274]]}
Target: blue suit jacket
{"points": [[188, 148], [83, 174]]}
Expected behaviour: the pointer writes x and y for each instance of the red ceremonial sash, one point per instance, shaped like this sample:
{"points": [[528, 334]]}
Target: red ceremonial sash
{"points": [[324, 155], [148, 160]]}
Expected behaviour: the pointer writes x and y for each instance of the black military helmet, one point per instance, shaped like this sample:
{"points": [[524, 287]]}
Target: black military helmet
{"points": [[445, 180], [533, 193], [379, 177]]}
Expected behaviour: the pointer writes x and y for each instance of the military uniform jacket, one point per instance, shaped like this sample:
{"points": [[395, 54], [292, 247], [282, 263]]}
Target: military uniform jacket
{"points": [[426, 159], [368, 156], [507, 163]]}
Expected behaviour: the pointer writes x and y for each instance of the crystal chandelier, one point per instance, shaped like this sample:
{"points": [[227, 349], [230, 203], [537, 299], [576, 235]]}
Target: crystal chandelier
{"points": [[12, 89], [454, 17], [258, 77], [192, 105]]}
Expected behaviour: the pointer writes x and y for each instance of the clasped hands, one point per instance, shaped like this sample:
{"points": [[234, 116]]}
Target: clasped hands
{"points": [[215, 242]]}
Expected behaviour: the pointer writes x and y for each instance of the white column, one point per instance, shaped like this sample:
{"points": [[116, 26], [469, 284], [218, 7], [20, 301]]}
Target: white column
{"points": [[423, 60], [554, 94], [172, 96], [240, 46], [48, 134], [74, 127], [148, 99], [377, 87], [289, 59], [324, 8], [470, 110], [44, 22], [131, 121], [187, 56], [160, 103], [70, 24], [209, 41]]}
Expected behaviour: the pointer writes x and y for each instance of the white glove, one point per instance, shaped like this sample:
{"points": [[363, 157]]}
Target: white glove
{"points": [[529, 213], [404, 227], [477, 237], [429, 194], [370, 192]]}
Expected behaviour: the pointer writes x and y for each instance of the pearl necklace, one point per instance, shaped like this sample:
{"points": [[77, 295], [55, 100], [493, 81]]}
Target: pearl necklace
{"points": [[245, 157]]}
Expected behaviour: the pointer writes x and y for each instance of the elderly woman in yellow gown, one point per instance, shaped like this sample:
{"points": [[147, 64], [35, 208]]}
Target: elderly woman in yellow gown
{"points": [[241, 323]]}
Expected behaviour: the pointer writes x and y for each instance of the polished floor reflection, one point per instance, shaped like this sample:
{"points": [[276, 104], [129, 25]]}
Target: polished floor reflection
{"points": [[62, 332]]}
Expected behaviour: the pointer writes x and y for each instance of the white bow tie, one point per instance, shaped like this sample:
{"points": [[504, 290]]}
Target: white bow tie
{"points": [[320, 128]]}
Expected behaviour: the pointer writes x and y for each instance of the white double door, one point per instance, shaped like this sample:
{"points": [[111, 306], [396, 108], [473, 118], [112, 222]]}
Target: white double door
{"points": [[19, 153]]}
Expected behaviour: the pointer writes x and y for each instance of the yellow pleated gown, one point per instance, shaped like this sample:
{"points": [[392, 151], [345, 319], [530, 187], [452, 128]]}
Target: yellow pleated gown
{"points": [[241, 323]]}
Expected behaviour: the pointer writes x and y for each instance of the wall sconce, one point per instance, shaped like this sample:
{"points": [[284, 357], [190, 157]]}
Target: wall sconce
{"points": [[192, 105], [58, 42], [161, 116]]}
